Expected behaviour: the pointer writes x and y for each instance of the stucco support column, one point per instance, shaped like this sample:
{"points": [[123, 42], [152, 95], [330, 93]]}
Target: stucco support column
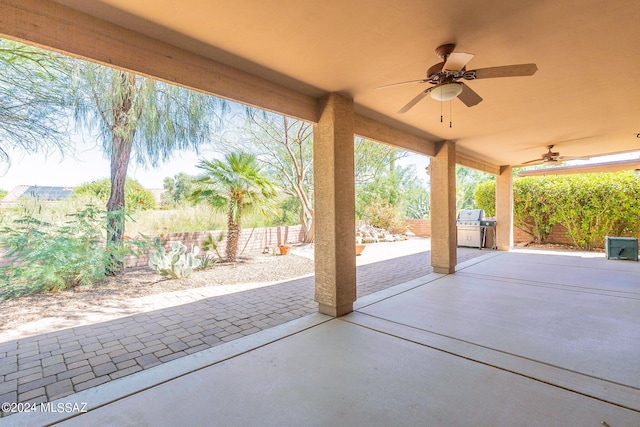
{"points": [[334, 194], [443, 209], [504, 209]]}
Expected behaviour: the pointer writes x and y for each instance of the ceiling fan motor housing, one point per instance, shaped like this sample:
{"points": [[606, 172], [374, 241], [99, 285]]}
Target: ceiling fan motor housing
{"points": [[445, 50]]}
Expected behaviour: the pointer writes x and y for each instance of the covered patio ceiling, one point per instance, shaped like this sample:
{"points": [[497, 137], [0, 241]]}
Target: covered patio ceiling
{"points": [[583, 99]]}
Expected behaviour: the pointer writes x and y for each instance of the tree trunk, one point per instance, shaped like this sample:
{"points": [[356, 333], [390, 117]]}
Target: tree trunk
{"points": [[233, 237], [121, 143], [306, 213], [120, 154], [310, 228]]}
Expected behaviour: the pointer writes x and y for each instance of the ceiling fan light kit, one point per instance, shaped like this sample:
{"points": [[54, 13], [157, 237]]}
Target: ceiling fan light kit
{"points": [[446, 92]]}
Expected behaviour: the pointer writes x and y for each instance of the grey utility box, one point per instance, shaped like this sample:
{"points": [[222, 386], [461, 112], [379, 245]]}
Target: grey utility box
{"points": [[621, 248]]}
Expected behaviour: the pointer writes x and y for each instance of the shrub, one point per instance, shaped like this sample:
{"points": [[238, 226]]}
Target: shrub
{"points": [[287, 213], [589, 206], [485, 197], [386, 217], [535, 205], [592, 206], [48, 256], [135, 196]]}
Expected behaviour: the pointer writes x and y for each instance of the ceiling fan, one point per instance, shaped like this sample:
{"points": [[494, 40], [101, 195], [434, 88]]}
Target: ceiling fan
{"points": [[551, 157], [445, 75]]}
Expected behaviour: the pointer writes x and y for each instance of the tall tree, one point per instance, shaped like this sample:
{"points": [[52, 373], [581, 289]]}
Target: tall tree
{"points": [[235, 185], [378, 176], [466, 181], [139, 117], [34, 100], [285, 145], [373, 159], [177, 189]]}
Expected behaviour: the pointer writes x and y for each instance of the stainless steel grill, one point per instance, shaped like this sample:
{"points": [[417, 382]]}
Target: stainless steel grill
{"points": [[469, 229], [473, 228]]}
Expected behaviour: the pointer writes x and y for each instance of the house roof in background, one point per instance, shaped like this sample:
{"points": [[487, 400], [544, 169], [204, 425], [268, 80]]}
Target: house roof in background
{"points": [[45, 193]]}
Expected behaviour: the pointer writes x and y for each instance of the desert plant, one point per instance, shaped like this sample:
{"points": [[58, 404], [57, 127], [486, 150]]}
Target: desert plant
{"points": [[48, 256], [177, 263], [211, 244], [208, 261], [418, 207]]}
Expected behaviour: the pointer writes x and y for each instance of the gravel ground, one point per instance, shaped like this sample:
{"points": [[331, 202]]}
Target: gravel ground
{"points": [[136, 283]]}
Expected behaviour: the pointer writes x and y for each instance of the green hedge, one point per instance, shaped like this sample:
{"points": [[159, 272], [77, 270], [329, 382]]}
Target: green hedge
{"points": [[589, 206]]}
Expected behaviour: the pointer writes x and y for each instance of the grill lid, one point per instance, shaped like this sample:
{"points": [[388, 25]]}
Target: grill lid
{"points": [[468, 215]]}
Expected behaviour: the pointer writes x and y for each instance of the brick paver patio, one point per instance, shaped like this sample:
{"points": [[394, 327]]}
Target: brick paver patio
{"points": [[46, 367]]}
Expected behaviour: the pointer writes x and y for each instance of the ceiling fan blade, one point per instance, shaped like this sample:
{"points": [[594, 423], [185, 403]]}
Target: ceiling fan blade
{"points": [[415, 100], [533, 162], [456, 61], [468, 96], [403, 83], [506, 71], [567, 158]]}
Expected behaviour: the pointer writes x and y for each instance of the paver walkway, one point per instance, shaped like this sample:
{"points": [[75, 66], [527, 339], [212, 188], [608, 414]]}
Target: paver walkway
{"points": [[49, 366]]}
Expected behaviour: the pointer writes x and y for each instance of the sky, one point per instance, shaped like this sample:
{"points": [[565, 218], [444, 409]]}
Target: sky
{"points": [[89, 164]]}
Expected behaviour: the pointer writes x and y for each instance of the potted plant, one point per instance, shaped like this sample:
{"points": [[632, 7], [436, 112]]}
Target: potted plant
{"points": [[359, 245], [284, 248]]}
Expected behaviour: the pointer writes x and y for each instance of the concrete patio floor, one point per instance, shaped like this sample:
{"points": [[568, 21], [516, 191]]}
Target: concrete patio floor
{"points": [[510, 339]]}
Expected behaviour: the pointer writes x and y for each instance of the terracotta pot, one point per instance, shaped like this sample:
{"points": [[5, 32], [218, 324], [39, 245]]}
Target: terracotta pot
{"points": [[359, 249], [284, 249]]}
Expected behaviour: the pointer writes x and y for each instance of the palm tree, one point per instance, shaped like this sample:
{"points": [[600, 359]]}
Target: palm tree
{"points": [[286, 147], [235, 185]]}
